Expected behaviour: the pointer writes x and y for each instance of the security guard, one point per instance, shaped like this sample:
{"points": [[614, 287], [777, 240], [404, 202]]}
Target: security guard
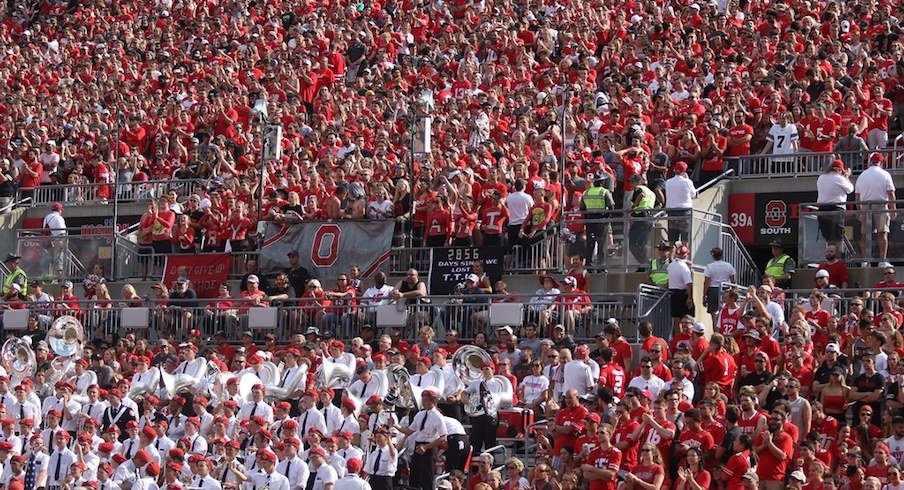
{"points": [[781, 266], [595, 202], [16, 275], [642, 202], [659, 274]]}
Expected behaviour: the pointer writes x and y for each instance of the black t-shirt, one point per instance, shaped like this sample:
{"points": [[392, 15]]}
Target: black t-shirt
{"points": [[773, 396], [298, 278], [865, 384], [276, 291], [824, 371], [756, 379]]}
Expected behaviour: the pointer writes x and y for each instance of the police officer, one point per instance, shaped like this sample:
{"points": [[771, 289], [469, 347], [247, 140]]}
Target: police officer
{"points": [[595, 202], [781, 266], [642, 202], [659, 274], [16, 275]]}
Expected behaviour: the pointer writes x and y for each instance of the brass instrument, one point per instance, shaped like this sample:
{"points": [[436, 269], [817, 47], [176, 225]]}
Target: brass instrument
{"points": [[65, 337], [467, 363], [332, 375], [142, 388], [177, 383], [18, 359], [278, 393]]}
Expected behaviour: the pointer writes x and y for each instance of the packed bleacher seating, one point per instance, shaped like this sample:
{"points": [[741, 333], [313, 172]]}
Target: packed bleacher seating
{"points": [[547, 119]]}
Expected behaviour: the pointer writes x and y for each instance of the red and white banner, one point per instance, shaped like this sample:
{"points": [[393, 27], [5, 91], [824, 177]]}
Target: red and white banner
{"points": [[328, 248], [205, 271]]}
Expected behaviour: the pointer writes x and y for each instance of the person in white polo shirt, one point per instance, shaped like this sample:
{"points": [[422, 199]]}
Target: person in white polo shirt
{"points": [[876, 193], [352, 480]]}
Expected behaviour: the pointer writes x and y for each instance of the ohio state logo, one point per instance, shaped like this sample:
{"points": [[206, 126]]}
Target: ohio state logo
{"points": [[776, 214]]}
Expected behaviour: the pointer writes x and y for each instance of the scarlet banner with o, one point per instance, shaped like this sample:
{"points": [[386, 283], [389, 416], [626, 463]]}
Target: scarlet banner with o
{"points": [[206, 271]]}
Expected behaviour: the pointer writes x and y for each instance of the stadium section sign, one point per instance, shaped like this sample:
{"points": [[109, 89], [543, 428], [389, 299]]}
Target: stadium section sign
{"points": [[759, 218], [328, 248]]}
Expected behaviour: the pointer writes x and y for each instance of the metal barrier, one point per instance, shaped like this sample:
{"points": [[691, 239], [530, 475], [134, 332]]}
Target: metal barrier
{"points": [[45, 195], [817, 228], [653, 306], [803, 164], [547, 255], [131, 261], [72, 256], [837, 302]]}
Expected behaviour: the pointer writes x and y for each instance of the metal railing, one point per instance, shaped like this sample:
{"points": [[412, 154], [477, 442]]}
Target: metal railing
{"points": [[846, 227], [123, 192], [837, 302], [468, 314], [71, 256], [132, 261], [653, 306], [547, 255], [802, 164]]}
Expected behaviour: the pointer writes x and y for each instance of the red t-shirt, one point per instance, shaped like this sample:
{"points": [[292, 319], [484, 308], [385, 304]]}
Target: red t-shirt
{"points": [[720, 368], [570, 417], [769, 467], [651, 436], [748, 425], [739, 131], [827, 430], [702, 440], [622, 434], [737, 465], [621, 352], [28, 180], [613, 376], [606, 459], [728, 320], [493, 220], [439, 223], [646, 474]]}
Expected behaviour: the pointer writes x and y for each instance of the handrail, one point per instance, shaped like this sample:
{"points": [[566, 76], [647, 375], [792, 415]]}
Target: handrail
{"points": [[806, 163], [652, 290], [15, 204], [119, 191], [715, 180]]}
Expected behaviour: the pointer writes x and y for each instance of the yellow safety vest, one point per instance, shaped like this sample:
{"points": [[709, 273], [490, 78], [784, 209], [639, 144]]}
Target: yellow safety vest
{"points": [[776, 267], [659, 271], [594, 199], [648, 200], [12, 277]]}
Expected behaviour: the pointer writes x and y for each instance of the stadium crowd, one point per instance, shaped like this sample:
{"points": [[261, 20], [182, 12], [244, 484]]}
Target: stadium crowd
{"points": [[631, 94]]}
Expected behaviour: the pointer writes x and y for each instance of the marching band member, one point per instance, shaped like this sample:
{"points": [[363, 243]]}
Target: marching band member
{"points": [[116, 414], [163, 443], [231, 471], [267, 478], [292, 466], [428, 431], [348, 420], [323, 476], [104, 472], [94, 408], [257, 406], [382, 462], [196, 442], [332, 416], [450, 399], [61, 458], [83, 378], [63, 402], [352, 480], [205, 417], [346, 449], [367, 384], [310, 417], [203, 480], [132, 443], [24, 408]]}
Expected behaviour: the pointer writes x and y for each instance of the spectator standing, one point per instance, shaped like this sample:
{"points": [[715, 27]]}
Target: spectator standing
{"points": [[715, 274], [679, 203], [156, 230], [55, 227], [833, 187], [879, 111], [782, 139], [519, 204], [681, 286], [595, 202], [876, 193], [781, 266], [852, 148], [298, 275]]}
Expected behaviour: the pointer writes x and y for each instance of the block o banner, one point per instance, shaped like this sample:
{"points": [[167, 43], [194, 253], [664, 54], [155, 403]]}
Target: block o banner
{"points": [[327, 248]]}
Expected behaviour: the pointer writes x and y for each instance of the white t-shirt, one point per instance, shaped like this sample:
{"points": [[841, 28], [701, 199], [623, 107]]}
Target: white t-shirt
{"points": [[783, 138], [719, 272], [518, 204], [874, 184], [896, 447], [679, 274], [833, 188], [534, 386], [578, 377], [655, 384], [679, 193]]}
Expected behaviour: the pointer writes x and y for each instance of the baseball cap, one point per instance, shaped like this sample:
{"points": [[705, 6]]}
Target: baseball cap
{"points": [[822, 273], [833, 347]]}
